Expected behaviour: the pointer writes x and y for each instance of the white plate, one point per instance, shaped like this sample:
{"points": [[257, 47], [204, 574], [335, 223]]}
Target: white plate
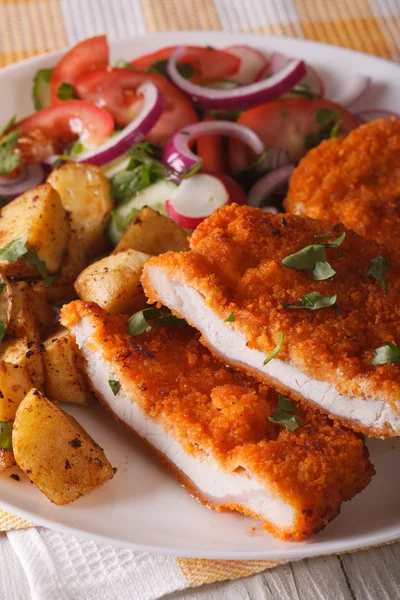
{"points": [[144, 507]]}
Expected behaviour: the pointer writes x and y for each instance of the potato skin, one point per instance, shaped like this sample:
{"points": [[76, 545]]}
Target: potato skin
{"points": [[27, 355], [39, 218], [152, 233], [15, 383], [62, 290], [63, 379], [114, 282], [31, 314], [86, 194], [56, 453]]}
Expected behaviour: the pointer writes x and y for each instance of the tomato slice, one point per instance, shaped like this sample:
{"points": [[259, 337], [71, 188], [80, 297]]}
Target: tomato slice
{"points": [[208, 64], [115, 90], [85, 56], [291, 124], [210, 149], [49, 130]]}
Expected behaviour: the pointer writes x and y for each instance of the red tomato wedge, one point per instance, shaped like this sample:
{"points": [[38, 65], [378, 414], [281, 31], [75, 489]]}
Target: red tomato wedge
{"points": [[210, 150], [115, 90], [290, 124], [85, 56], [208, 64], [49, 130]]}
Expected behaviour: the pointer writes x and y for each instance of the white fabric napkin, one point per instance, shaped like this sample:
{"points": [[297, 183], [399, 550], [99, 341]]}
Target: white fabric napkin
{"points": [[57, 566]]}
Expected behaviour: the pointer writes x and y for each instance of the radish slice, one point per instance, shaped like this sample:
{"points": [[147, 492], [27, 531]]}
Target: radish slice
{"points": [[151, 111], [178, 156], [312, 79], [366, 116], [353, 89], [268, 184], [196, 198], [252, 64], [241, 97]]}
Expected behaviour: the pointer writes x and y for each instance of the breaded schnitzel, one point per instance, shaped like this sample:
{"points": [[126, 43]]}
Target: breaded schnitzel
{"points": [[234, 288], [354, 180], [211, 425]]}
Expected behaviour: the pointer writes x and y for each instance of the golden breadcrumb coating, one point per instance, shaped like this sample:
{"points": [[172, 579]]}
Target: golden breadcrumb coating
{"points": [[235, 262], [354, 180], [216, 411]]}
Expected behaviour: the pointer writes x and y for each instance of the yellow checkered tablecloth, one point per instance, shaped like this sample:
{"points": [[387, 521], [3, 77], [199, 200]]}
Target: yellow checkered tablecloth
{"points": [[29, 27]]}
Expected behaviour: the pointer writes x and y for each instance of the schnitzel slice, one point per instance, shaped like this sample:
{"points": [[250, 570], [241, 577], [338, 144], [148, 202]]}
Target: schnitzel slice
{"points": [[212, 425], [325, 299]]}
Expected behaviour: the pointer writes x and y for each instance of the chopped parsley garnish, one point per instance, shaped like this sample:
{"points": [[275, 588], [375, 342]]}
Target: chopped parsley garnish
{"points": [[8, 125], [377, 270], [304, 90], [66, 92], [114, 385], [388, 353], [17, 249], [123, 64], [160, 67], [10, 159], [276, 349], [41, 88], [230, 318], [323, 236], [144, 169], [336, 243], [322, 271], [139, 322], [325, 116], [77, 148], [284, 414], [3, 330], [339, 253], [6, 435], [313, 301]]}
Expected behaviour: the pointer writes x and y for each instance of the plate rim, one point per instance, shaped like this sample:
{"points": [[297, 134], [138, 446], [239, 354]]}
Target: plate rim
{"points": [[366, 540]]}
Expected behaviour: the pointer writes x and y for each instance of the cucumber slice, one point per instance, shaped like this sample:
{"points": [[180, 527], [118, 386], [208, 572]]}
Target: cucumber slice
{"points": [[41, 88], [116, 165], [154, 196]]}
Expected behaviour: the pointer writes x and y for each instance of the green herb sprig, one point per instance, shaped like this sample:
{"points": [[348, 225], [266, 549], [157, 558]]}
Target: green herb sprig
{"points": [[17, 249], [114, 385], [139, 322], [377, 270], [284, 415], [388, 353], [313, 301], [277, 348]]}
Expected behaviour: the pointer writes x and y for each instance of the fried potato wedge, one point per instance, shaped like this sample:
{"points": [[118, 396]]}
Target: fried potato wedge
{"points": [[152, 233], [27, 355], [56, 453], [15, 383], [7, 460], [62, 290], [63, 379], [86, 194], [114, 282], [31, 313], [39, 218]]}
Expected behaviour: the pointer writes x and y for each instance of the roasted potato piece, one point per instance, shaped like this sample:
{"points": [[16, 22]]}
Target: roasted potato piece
{"points": [[62, 290], [5, 300], [86, 193], [7, 460], [56, 452], [39, 218], [15, 383], [114, 282], [63, 379], [154, 234], [31, 313], [25, 354]]}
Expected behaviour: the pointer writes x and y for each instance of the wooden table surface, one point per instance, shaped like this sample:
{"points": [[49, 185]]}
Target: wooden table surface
{"points": [[368, 575]]}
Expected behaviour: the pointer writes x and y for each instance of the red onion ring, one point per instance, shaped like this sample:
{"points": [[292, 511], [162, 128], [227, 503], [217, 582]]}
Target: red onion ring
{"points": [[366, 116], [152, 109], [265, 186], [32, 175], [178, 156], [279, 61], [353, 89], [244, 96]]}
